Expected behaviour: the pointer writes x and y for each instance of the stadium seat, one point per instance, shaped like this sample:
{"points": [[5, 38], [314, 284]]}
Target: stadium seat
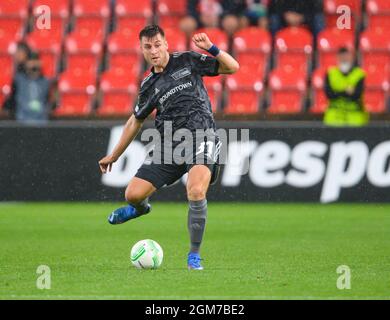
{"points": [[83, 8], [11, 26], [118, 78], [138, 8], [294, 46], [377, 88], [375, 48], [177, 40], [219, 38], [171, 7], [244, 92], [76, 91], [116, 104], [329, 41], [58, 9], [320, 101], [287, 88], [169, 22], [50, 63], [256, 61], [118, 89], [375, 100], [123, 40], [6, 62], [5, 77], [83, 61], [47, 39], [332, 16], [378, 12], [131, 61], [74, 104], [84, 40], [17, 8], [94, 25], [133, 23], [252, 39], [214, 89]]}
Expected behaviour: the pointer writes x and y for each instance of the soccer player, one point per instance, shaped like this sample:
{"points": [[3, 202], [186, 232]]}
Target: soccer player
{"points": [[175, 88]]}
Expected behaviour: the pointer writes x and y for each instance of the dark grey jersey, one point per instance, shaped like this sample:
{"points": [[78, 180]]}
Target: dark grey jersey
{"points": [[178, 93]]}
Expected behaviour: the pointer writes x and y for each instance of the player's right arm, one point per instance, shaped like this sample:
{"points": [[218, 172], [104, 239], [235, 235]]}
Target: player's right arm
{"points": [[144, 107], [130, 131]]}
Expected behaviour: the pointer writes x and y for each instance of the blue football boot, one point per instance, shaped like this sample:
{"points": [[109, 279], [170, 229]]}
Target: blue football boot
{"points": [[193, 261], [121, 215]]}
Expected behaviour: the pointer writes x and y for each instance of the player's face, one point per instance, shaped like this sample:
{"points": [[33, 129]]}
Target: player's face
{"points": [[155, 50]]}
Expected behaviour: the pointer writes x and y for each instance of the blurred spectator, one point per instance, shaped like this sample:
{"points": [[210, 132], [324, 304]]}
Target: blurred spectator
{"points": [[256, 13], [30, 96], [284, 13], [21, 55], [344, 86], [213, 13]]}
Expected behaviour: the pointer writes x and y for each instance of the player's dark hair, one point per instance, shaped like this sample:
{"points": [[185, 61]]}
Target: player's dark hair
{"points": [[342, 50], [151, 31]]}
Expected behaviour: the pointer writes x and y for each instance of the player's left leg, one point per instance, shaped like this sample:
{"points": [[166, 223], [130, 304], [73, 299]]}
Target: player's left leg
{"points": [[199, 177], [136, 195]]}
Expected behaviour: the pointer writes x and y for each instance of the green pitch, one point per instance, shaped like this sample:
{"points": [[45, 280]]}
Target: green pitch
{"points": [[251, 251]]}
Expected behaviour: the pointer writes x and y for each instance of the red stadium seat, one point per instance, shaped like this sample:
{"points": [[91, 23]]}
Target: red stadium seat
{"points": [[378, 12], [76, 91], [256, 61], [242, 102], [330, 6], [332, 16], [11, 31], [123, 40], [11, 27], [119, 78], [5, 77], [131, 61], [82, 8], [375, 100], [116, 104], [216, 35], [177, 40], [375, 48], [171, 7], [47, 39], [214, 89], [6, 62], [288, 87], [252, 39], [320, 101], [83, 61], [135, 24], [73, 105], [94, 25], [84, 40], [17, 8], [49, 63], [169, 22], [58, 9], [294, 46], [134, 8], [245, 90], [329, 41]]}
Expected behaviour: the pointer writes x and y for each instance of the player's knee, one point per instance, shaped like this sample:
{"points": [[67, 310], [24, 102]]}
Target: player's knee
{"points": [[196, 193], [133, 197]]}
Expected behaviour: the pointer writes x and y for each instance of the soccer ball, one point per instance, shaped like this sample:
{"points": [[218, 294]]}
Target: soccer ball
{"points": [[146, 254]]}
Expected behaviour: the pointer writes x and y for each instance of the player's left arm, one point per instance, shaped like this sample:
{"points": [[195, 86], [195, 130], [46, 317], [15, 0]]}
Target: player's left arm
{"points": [[227, 64]]}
